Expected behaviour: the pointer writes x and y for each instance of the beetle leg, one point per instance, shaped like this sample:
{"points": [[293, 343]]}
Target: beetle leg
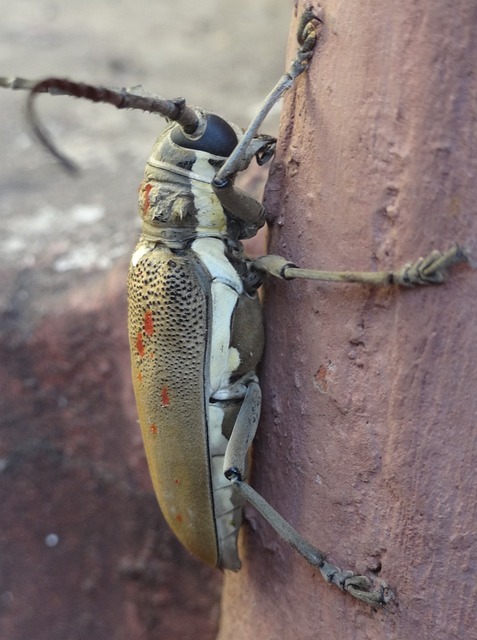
{"points": [[235, 462], [244, 430], [429, 270], [358, 586], [242, 206]]}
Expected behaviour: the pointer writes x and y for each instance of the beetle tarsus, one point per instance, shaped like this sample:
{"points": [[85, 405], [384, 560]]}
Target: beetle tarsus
{"points": [[433, 269], [308, 32], [360, 588]]}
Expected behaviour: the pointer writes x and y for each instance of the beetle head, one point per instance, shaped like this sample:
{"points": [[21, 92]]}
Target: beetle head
{"points": [[217, 137]]}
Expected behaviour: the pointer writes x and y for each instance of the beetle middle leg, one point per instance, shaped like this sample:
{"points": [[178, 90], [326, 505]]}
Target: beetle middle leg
{"points": [[429, 270]]}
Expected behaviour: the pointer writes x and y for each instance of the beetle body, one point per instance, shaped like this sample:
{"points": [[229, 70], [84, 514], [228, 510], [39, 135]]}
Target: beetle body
{"points": [[195, 324], [196, 337]]}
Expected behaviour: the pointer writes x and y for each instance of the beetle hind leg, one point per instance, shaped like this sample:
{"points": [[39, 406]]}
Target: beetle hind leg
{"points": [[361, 587], [235, 463]]}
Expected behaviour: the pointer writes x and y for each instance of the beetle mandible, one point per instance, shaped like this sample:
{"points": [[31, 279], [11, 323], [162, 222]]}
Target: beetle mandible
{"points": [[195, 324]]}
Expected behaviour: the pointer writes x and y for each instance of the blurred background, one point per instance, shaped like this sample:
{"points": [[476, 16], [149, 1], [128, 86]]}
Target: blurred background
{"points": [[84, 552], [221, 55]]}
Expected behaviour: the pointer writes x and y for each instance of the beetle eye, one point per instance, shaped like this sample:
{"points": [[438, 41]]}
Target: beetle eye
{"points": [[218, 138]]}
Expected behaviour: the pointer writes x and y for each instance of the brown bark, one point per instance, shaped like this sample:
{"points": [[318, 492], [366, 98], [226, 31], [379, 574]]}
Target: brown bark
{"points": [[368, 443]]}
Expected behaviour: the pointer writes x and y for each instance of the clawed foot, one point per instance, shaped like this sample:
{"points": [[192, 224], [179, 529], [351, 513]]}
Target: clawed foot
{"points": [[307, 36], [357, 586], [361, 587], [432, 269]]}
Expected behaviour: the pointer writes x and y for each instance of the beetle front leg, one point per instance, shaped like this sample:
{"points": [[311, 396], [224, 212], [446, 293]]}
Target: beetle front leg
{"points": [[429, 270], [235, 461]]}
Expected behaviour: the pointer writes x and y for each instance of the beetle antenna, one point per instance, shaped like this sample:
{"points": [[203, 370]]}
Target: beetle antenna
{"points": [[175, 110], [308, 32]]}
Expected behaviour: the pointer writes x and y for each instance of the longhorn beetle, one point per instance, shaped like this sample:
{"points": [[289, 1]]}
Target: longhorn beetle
{"points": [[195, 323]]}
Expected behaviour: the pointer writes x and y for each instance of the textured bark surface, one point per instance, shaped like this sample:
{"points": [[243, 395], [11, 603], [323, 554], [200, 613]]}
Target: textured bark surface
{"points": [[368, 443]]}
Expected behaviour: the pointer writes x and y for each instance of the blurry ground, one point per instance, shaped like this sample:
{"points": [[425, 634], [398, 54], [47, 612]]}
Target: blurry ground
{"points": [[84, 552]]}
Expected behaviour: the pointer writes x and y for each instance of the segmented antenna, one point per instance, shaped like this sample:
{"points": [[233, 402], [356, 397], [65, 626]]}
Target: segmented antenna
{"points": [[308, 32], [175, 110]]}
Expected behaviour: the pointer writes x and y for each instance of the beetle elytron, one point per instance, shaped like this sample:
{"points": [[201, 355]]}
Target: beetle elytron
{"points": [[195, 324]]}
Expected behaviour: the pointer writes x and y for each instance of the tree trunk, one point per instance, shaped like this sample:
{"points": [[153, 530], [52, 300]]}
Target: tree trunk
{"points": [[368, 442]]}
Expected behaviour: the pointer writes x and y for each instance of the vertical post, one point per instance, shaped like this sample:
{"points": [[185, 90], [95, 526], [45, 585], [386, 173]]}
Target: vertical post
{"points": [[368, 442]]}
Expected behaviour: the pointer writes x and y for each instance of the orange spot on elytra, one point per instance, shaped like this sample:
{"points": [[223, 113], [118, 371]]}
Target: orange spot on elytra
{"points": [[165, 396], [147, 203], [148, 324], [139, 376], [140, 344], [179, 517], [153, 429], [177, 481]]}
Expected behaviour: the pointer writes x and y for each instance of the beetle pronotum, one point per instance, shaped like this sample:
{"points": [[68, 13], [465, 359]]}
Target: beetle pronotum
{"points": [[195, 325]]}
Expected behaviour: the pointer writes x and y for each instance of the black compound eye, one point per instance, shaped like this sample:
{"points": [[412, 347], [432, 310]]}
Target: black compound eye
{"points": [[219, 138]]}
